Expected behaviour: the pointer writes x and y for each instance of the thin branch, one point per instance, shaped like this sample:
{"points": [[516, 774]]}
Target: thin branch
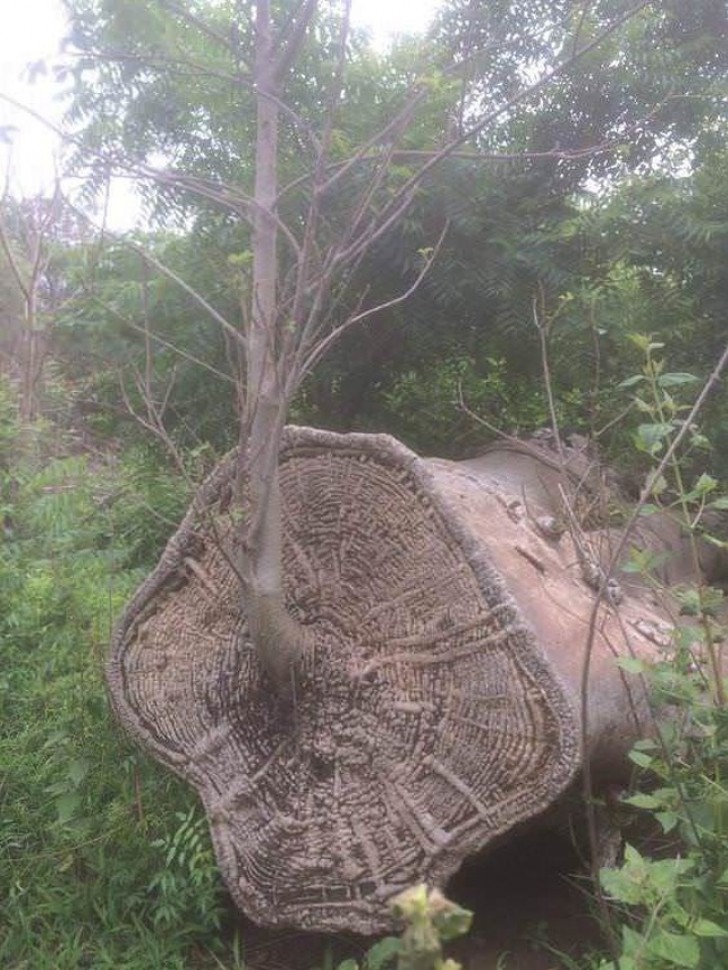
{"points": [[394, 209], [542, 326], [12, 263], [318, 352], [201, 71], [291, 41], [223, 194], [200, 24], [6, 247], [494, 429], [577, 32], [227, 196], [197, 361], [227, 327], [312, 216]]}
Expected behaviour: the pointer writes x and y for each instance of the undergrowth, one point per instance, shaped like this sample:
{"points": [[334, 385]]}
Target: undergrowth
{"points": [[105, 859], [670, 897]]}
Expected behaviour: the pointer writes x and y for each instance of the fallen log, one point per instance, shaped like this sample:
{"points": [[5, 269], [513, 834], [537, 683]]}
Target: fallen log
{"points": [[437, 708]]}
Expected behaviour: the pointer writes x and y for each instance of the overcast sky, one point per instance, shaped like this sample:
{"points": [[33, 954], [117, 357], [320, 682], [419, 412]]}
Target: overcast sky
{"points": [[32, 30]]}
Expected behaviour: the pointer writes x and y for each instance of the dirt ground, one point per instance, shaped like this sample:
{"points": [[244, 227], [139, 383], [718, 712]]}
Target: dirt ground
{"points": [[531, 903]]}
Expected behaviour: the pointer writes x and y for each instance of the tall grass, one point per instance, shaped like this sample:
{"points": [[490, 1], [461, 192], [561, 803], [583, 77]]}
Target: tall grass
{"points": [[105, 859]]}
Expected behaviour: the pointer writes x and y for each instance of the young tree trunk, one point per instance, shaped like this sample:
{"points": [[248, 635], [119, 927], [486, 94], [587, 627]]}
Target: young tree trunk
{"points": [[32, 347], [278, 638]]}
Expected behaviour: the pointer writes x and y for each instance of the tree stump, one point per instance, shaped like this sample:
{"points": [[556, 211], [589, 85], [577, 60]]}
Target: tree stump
{"points": [[436, 709]]}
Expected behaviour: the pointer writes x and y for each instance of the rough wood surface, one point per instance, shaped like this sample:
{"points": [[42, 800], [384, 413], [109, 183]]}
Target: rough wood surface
{"points": [[547, 576], [427, 720]]}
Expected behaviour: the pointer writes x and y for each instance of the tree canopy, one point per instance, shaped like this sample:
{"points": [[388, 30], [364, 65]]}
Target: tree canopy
{"points": [[628, 129]]}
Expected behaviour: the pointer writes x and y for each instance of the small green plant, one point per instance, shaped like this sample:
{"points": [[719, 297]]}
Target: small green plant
{"points": [[672, 910], [430, 920], [671, 933], [187, 884]]}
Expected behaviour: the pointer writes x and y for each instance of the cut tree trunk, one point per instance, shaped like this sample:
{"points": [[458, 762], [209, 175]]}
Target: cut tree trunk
{"points": [[437, 700]]}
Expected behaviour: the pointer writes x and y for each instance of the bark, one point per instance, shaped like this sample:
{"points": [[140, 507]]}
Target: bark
{"points": [[33, 327], [32, 353]]}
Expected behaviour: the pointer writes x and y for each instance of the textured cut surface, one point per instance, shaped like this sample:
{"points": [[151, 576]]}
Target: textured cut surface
{"points": [[425, 721]]}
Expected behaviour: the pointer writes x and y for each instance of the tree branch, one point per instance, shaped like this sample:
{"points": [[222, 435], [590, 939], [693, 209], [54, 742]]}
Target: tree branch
{"points": [[334, 335], [291, 39], [200, 24]]}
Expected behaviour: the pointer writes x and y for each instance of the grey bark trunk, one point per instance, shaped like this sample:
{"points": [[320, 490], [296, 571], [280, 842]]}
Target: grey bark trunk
{"points": [[276, 635]]}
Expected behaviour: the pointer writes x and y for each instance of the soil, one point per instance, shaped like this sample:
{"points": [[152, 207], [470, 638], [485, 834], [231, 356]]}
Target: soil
{"points": [[532, 904]]}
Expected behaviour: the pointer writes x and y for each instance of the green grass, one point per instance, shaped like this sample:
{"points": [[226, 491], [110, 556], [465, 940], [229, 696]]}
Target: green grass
{"points": [[105, 858]]}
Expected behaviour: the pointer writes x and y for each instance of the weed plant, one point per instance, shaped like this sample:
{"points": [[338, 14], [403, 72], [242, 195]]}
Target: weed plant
{"points": [[671, 907]]}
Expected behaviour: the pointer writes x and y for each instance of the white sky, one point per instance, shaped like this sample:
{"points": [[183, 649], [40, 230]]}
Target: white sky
{"points": [[32, 30]]}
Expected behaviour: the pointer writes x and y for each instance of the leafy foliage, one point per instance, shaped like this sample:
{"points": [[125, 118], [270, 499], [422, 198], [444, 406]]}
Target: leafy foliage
{"points": [[674, 909]]}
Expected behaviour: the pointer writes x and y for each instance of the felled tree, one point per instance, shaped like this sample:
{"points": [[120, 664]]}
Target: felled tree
{"points": [[437, 699]]}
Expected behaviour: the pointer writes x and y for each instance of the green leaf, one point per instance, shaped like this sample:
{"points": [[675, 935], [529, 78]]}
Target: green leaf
{"points": [[664, 874], [706, 927], [677, 949], [631, 381], [672, 380], [646, 744], [620, 884], [66, 806], [649, 437], [689, 599], [645, 561], [643, 760], [658, 486], [668, 820], [641, 800], [383, 952], [633, 665], [649, 508], [706, 483], [349, 964], [643, 342], [78, 769], [698, 440], [633, 943]]}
